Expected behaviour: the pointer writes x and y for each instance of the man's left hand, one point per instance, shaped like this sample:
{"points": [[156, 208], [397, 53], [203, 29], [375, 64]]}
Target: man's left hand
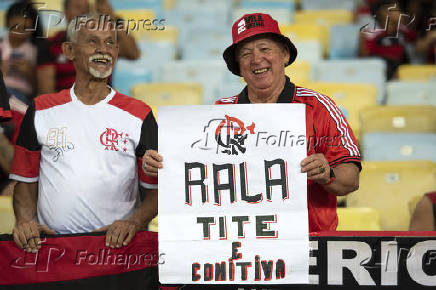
{"points": [[317, 168], [119, 233]]}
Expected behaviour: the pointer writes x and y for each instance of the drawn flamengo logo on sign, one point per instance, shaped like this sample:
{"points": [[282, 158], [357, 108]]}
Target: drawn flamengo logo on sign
{"points": [[112, 140], [235, 137]]}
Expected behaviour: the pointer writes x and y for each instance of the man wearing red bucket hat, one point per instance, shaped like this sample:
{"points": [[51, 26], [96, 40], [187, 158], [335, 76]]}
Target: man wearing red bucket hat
{"points": [[259, 54]]}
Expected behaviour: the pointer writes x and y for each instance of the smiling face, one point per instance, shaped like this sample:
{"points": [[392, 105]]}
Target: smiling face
{"points": [[262, 63], [94, 52]]}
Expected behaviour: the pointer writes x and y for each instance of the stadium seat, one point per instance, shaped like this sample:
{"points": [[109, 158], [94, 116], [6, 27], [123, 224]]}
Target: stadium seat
{"points": [[413, 202], [327, 5], [201, 17], [260, 5], [398, 119], [155, 5], [398, 146], [358, 219], [153, 226], [350, 98], [7, 218], [344, 41], [168, 94], [4, 5], [282, 15], [127, 73], [205, 44], [389, 186], [305, 32], [325, 18], [209, 73], [134, 20], [309, 50], [299, 72], [169, 34], [209, 4], [420, 73], [370, 71], [410, 93], [154, 53]]}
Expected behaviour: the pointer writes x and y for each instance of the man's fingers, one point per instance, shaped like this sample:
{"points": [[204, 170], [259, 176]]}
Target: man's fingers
{"points": [[19, 238], [154, 155], [315, 176], [312, 166], [45, 229], [149, 161], [112, 237], [124, 231], [31, 234], [130, 236]]}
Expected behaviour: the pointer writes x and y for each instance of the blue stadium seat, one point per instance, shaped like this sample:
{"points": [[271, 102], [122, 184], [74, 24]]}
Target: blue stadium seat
{"points": [[155, 53], [344, 41], [310, 50], [330, 4], [206, 43], [202, 17], [275, 4], [155, 5], [209, 73], [411, 93], [372, 71], [129, 73], [282, 15], [399, 146], [228, 88], [4, 4]]}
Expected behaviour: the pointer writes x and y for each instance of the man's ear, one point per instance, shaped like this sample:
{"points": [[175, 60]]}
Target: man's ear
{"points": [[68, 50], [286, 55]]}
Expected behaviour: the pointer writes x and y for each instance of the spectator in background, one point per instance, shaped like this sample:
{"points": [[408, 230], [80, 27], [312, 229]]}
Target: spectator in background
{"points": [[426, 46], [391, 40], [425, 13], [18, 53], [58, 72], [424, 216]]}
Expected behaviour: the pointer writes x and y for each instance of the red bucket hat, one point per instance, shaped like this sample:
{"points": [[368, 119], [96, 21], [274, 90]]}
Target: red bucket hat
{"points": [[251, 25]]}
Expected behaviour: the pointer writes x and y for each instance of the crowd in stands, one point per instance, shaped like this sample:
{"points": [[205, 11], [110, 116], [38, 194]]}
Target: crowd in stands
{"points": [[385, 41]]}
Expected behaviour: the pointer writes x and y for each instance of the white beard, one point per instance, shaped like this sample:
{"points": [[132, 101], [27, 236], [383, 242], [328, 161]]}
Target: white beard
{"points": [[100, 75]]}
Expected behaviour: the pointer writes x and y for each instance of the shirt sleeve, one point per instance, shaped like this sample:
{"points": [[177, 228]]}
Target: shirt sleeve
{"points": [[338, 143], [25, 164], [147, 141]]}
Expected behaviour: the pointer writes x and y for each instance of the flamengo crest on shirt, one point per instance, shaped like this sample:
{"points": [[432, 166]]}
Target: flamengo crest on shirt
{"points": [[113, 140]]}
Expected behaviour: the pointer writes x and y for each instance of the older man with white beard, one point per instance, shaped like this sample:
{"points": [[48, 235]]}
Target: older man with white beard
{"points": [[79, 150]]}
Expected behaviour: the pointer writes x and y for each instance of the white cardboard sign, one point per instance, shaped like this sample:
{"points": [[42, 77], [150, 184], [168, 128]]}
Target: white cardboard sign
{"points": [[232, 198]]}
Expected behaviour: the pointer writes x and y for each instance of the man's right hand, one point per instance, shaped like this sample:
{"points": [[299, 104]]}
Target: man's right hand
{"points": [[151, 162], [26, 235]]}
